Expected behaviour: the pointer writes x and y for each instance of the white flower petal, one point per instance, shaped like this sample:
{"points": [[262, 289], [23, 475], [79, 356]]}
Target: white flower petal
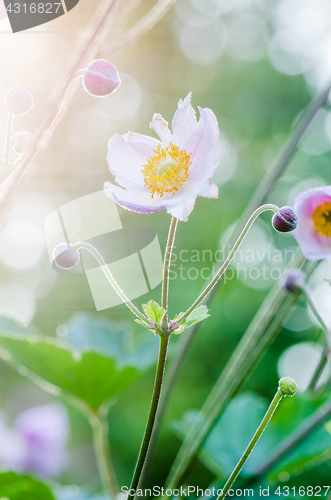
{"points": [[184, 122], [127, 154], [181, 205], [208, 191], [203, 146], [160, 126], [136, 201]]}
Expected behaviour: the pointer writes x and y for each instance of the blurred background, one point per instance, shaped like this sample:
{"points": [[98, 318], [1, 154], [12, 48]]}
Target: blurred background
{"points": [[256, 64]]}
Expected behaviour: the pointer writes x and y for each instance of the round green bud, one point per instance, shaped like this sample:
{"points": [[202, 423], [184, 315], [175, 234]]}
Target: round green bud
{"points": [[288, 386]]}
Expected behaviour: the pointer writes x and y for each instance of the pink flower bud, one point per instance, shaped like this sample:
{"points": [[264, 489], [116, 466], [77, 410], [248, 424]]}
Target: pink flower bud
{"points": [[101, 78], [18, 101], [294, 280], [22, 142], [65, 256], [285, 220]]}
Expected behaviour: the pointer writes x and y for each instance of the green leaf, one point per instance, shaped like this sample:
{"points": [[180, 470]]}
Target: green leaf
{"points": [[154, 311], [141, 322], [199, 314], [312, 451], [231, 434], [87, 375], [16, 487], [116, 339]]}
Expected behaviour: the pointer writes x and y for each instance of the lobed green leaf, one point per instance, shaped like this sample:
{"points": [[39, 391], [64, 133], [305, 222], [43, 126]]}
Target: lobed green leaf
{"points": [[88, 375], [154, 311], [17, 487]]}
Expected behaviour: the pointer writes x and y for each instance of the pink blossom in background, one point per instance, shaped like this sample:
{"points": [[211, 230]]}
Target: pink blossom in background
{"points": [[167, 174], [37, 442], [101, 78], [313, 232], [18, 101]]}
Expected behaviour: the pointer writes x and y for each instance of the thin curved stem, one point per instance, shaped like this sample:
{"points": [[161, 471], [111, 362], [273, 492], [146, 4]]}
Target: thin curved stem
{"points": [[312, 306], [276, 169], [123, 15], [229, 258], [304, 430], [319, 368], [9, 129], [90, 248], [164, 341], [102, 453], [85, 47], [67, 86], [88, 46], [275, 402], [258, 337], [166, 266], [324, 354], [143, 26], [287, 152]]}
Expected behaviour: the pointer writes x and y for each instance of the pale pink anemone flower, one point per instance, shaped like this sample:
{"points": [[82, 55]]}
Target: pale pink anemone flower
{"points": [[167, 174], [313, 232]]}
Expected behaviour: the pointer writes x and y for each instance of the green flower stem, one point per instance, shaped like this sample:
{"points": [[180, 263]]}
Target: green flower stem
{"points": [[308, 426], [278, 396], [324, 355], [102, 453], [9, 129], [286, 154], [164, 341], [166, 266], [172, 373], [319, 368], [262, 331], [90, 248], [276, 169], [317, 315], [229, 258]]}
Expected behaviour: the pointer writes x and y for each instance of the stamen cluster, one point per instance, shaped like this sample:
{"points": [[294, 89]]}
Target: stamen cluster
{"points": [[166, 170], [322, 219]]}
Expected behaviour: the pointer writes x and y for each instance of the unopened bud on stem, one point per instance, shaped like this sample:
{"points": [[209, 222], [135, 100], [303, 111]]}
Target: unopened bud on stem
{"points": [[288, 386], [22, 142], [285, 220], [18, 101], [294, 281], [65, 256], [101, 78]]}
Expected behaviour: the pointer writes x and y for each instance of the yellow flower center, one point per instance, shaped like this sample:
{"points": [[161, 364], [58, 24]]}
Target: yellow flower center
{"points": [[322, 219], [166, 170]]}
